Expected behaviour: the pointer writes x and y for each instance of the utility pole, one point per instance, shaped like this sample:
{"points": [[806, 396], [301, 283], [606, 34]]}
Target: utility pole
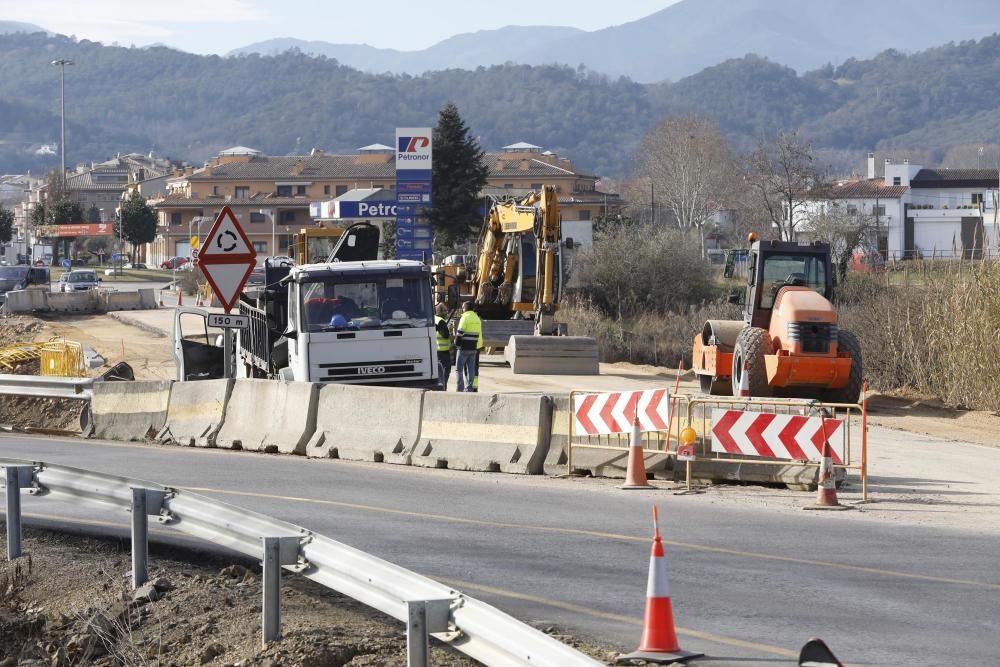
{"points": [[652, 204], [61, 64]]}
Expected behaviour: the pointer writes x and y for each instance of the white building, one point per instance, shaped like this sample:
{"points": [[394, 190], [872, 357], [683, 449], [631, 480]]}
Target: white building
{"points": [[919, 211]]}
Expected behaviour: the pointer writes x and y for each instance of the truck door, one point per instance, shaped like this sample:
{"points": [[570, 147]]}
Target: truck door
{"points": [[359, 243], [198, 350]]}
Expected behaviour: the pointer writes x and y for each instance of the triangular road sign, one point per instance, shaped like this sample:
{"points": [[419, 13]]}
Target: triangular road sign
{"points": [[227, 280], [226, 241], [227, 258]]}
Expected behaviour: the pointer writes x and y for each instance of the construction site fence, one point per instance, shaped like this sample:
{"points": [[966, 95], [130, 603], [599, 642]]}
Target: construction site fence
{"points": [[695, 411], [854, 434], [653, 441], [62, 359]]}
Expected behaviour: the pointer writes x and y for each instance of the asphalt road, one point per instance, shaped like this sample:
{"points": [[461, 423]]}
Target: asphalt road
{"points": [[749, 586]]}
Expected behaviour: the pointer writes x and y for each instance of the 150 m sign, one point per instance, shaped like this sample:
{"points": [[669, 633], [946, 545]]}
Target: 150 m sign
{"points": [[224, 321]]}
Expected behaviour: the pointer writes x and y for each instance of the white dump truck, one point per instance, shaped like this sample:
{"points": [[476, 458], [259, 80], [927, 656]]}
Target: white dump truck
{"points": [[353, 319]]}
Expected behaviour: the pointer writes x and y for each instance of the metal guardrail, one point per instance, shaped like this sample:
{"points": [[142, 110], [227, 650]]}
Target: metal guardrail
{"points": [[426, 606], [46, 387]]}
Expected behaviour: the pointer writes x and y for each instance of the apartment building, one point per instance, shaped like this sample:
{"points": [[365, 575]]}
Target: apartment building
{"points": [[271, 195]]}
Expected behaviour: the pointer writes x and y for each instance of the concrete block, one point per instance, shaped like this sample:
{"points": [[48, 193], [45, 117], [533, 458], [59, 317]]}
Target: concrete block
{"points": [[26, 301], [196, 412], [361, 423], [595, 462], [487, 432], [74, 302], [129, 410], [266, 415], [147, 299], [121, 301], [552, 355], [793, 475]]}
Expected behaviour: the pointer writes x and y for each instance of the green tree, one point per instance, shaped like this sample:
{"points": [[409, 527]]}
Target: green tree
{"points": [[6, 225], [137, 220], [57, 209], [100, 246], [459, 175]]}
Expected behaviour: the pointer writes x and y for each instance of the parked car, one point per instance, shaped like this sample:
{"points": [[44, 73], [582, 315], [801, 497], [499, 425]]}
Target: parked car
{"points": [[868, 262], [137, 266], [174, 263], [22, 277], [79, 280]]}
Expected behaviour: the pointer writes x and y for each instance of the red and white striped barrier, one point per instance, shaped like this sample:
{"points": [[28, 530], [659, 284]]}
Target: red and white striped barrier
{"points": [[614, 412], [776, 436]]}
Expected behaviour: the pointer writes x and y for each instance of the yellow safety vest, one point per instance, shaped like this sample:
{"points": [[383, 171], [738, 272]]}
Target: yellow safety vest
{"points": [[470, 331], [442, 341]]}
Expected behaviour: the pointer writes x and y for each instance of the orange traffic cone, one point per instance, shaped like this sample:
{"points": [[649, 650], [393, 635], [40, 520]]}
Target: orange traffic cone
{"points": [[180, 298], [635, 474], [659, 638], [161, 299], [745, 381], [826, 489]]}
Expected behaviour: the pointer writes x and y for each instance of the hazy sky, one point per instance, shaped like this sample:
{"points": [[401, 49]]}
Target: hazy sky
{"points": [[216, 26]]}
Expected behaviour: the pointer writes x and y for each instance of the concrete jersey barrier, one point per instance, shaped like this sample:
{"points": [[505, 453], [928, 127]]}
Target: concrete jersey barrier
{"points": [[129, 410], [196, 412], [271, 416], [486, 432], [362, 423]]}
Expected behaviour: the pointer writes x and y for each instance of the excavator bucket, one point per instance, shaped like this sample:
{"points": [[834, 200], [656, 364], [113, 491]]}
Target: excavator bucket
{"points": [[552, 355]]}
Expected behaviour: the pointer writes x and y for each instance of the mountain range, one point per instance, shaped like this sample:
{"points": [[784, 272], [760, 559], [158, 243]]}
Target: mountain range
{"points": [[687, 37], [189, 106]]}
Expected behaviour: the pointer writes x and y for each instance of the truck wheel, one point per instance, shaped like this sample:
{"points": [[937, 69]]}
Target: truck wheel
{"points": [[851, 392], [751, 346]]}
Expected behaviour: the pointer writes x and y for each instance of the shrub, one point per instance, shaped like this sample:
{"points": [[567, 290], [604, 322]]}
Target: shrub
{"points": [[938, 335], [636, 268]]}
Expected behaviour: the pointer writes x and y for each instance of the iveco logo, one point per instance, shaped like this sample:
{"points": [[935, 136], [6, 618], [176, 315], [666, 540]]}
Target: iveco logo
{"points": [[371, 370]]}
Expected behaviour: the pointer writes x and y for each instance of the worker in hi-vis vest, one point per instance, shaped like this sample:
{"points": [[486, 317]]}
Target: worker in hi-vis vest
{"points": [[443, 337], [467, 337]]}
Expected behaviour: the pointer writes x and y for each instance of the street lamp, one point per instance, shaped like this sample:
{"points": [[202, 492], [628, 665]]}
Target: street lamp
{"points": [[61, 64]]}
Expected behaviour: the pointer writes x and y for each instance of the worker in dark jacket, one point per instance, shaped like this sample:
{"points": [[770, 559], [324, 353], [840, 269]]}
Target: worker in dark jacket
{"points": [[443, 337], [470, 327]]}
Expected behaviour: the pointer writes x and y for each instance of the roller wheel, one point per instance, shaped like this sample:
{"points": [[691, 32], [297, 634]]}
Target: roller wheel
{"points": [[711, 386], [751, 346], [851, 392]]}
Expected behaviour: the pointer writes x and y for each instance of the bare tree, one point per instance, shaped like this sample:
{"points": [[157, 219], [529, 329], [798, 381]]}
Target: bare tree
{"points": [[846, 230], [781, 171], [688, 167]]}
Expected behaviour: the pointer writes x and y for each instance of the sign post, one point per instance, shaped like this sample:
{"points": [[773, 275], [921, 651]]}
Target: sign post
{"points": [[413, 192], [227, 258]]}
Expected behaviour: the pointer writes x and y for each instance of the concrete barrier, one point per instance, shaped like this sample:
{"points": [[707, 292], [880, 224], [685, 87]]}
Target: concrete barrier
{"points": [[129, 410], [147, 298], [361, 423], [270, 416], [26, 301], [594, 462], [488, 432], [197, 411], [74, 302]]}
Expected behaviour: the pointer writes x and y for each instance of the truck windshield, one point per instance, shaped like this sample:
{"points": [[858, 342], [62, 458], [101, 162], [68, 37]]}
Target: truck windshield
{"points": [[370, 302], [780, 270]]}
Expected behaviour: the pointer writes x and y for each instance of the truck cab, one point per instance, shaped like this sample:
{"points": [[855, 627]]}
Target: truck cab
{"points": [[361, 323], [353, 319]]}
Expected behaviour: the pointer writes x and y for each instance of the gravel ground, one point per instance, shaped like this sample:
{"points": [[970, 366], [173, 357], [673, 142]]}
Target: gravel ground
{"points": [[69, 602]]}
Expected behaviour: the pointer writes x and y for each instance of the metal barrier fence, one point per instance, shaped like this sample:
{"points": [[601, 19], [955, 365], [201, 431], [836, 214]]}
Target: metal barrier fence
{"points": [[656, 434], [760, 427], [427, 607], [62, 358]]}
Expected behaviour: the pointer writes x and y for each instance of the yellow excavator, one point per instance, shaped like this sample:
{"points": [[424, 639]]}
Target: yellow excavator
{"points": [[516, 284]]}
